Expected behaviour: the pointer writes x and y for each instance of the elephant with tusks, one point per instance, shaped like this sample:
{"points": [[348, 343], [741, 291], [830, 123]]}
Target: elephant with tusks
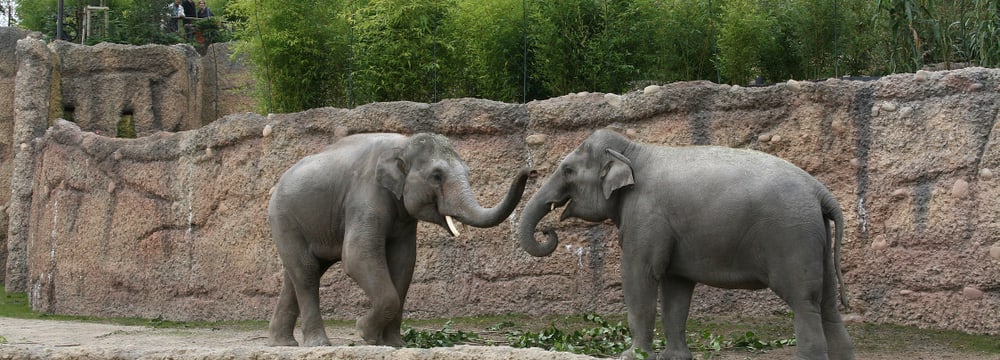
{"points": [[358, 202]]}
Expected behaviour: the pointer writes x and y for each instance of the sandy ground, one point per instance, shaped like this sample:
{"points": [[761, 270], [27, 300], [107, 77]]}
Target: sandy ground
{"points": [[28, 339]]}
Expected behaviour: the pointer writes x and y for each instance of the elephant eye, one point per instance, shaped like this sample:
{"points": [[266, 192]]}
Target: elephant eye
{"points": [[436, 176], [568, 171]]}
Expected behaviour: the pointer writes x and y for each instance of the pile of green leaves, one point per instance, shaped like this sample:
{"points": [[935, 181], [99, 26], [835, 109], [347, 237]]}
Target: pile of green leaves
{"points": [[709, 343], [446, 337], [599, 338], [603, 339]]}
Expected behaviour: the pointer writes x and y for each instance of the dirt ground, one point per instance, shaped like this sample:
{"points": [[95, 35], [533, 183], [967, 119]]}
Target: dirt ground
{"points": [[26, 339]]}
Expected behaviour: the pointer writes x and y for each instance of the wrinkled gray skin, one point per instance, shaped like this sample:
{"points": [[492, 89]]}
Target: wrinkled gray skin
{"points": [[358, 202], [722, 217]]}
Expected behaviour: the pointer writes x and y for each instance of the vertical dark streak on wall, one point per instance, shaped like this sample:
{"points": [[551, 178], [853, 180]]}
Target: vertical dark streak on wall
{"points": [[921, 201], [596, 238], [861, 113], [700, 121], [985, 137]]}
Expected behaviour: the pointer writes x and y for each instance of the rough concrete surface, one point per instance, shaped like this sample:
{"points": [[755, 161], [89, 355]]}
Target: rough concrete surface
{"points": [[32, 339], [50, 339]]}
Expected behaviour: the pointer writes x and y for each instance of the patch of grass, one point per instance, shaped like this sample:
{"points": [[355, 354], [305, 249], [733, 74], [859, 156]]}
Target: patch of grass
{"points": [[15, 305], [885, 337]]}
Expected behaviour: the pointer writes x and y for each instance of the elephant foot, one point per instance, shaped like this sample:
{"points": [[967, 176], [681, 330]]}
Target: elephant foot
{"points": [[394, 340], [282, 341], [317, 341], [675, 355], [369, 334], [633, 353]]}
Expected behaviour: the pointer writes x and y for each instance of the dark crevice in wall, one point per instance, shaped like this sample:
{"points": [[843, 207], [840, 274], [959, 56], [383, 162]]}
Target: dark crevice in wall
{"points": [[861, 114], [68, 113]]}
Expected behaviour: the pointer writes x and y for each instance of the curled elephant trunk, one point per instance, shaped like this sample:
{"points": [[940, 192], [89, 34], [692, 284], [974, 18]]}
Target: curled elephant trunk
{"points": [[533, 213], [473, 214]]}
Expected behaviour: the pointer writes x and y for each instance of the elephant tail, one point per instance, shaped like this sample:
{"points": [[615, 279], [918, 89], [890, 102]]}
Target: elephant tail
{"points": [[832, 212]]}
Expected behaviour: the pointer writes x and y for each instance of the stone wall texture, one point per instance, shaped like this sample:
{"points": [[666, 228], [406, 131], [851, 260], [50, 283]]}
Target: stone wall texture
{"points": [[173, 225]]}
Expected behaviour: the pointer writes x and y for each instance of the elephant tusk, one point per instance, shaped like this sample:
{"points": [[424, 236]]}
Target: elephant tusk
{"points": [[451, 226], [552, 206]]}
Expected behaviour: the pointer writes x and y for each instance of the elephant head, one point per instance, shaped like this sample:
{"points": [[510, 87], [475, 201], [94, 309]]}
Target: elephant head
{"points": [[432, 182], [587, 183]]}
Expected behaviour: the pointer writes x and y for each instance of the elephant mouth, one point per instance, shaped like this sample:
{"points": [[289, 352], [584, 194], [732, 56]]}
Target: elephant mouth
{"points": [[553, 205]]}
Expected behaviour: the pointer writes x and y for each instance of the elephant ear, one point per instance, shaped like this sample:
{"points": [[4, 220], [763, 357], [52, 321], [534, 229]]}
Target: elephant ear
{"points": [[391, 172], [616, 173]]}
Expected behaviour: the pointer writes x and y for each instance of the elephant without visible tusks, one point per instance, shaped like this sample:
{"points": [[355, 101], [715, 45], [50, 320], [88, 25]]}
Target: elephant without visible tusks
{"points": [[358, 202], [723, 217]]}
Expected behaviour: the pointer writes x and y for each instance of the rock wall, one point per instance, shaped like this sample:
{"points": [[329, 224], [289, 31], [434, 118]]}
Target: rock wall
{"points": [[173, 225], [156, 88], [157, 85], [8, 72]]}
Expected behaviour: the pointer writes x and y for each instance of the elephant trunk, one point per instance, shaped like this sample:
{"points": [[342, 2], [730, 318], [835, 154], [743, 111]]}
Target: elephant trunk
{"points": [[533, 213], [471, 213]]}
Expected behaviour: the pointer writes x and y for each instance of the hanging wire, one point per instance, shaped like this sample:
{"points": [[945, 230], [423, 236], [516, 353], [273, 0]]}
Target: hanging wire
{"points": [[267, 58], [524, 60], [836, 41], [715, 44], [434, 48], [350, 62]]}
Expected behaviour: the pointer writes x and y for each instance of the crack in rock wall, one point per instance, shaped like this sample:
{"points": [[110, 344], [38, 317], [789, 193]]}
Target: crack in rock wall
{"points": [[173, 225]]}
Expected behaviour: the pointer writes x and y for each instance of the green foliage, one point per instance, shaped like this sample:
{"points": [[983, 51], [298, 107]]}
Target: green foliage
{"points": [[446, 337], [908, 24], [585, 45], [313, 53], [211, 30], [486, 54], [135, 22], [138, 23], [604, 339], [299, 50], [979, 26], [749, 35], [13, 305], [706, 342], [397, 47], [688, 38]]}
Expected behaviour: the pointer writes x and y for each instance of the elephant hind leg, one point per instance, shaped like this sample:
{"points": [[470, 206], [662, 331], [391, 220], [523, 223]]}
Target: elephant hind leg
{"points": [[305, 275], [282, 326], [675, 299], [805, 300], [837, 340]]}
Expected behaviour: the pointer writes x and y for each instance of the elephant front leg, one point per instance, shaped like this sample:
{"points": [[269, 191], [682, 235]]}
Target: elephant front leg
{"points": [[365, 262], [402, 257], [639, 287]]}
